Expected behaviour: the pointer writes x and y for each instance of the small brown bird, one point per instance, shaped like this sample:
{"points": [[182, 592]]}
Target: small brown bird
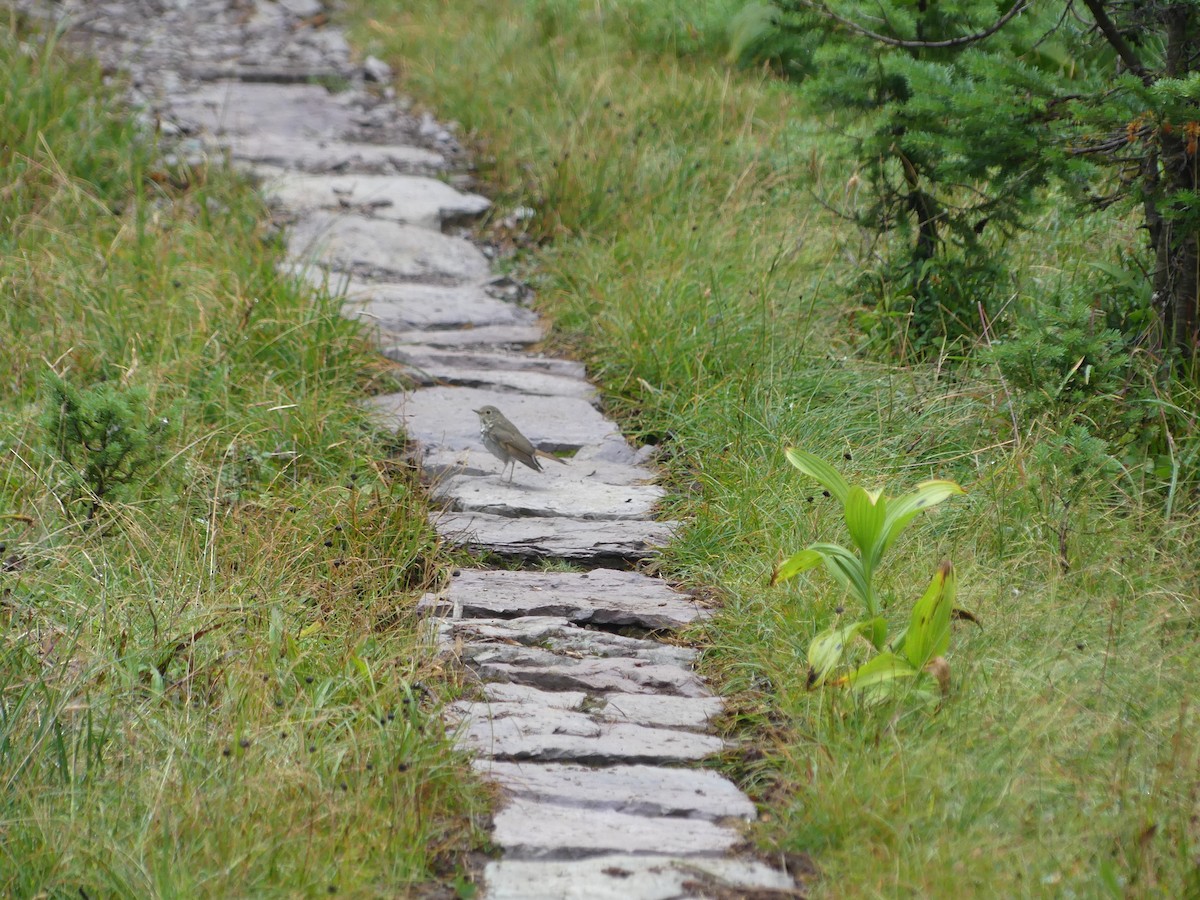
{"points": [[506, 443]]}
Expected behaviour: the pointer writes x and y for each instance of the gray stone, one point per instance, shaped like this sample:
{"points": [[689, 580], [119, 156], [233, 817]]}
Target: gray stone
{"points": [[331, 155], [556, 634], [304, 9], [530, 830], [515, 733], [375, 69], [489, 336], [658, 710], [654, 710], [555, 491], [444, 417], [282, 110], [584, 465], [554, 537], [411, 199], [404, 306], [363, 245], [600, 597], [636, 790], [461, 368], [620, 877], [555, 672], [501, 361], [504, 692]]}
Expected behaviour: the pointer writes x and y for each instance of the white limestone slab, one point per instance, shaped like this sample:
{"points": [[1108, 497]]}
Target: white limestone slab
{"points": [[431, 366], [527, 829], [408, 306], [330, 154], [655, 710], [599, 597], [621, 877], [554, 491], [411, 199], [559, 635], [444, 417], [553, 672], [635, 790], [280, 110], [486, 336], [554, 537], [564, 736], [357, 243]]}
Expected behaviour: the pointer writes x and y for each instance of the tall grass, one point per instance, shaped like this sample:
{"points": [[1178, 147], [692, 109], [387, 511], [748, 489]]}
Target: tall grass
{"points": [[684, 247], [214, 685]]}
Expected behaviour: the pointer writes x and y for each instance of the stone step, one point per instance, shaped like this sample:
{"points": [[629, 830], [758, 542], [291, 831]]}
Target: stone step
{"points": [[427, 366], [302, 111], [527, 829], [558, 635], [625, 877], [444, 417], [601, 597], [413, 306], [557, 537], [372, 247], [408, 199], [634, 790], [488, 337], [555, 672], [655, 710], [317, 155]]}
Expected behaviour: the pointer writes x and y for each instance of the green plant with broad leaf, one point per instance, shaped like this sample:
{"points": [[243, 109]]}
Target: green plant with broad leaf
{"points": [[912, 655]]}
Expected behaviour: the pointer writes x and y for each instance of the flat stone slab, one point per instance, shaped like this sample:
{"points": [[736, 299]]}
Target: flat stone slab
{"points": [[586, 464], [487, 336], [555, 491], [554, 672], [444, 417], [655, 710], [527, 829], [600, 597], [559, 635], [411, 199], [621, 877], [558, 735], [318, 155], [370, 246], [481, 369], [635, 790], [280, 110], [408, 306], [556, 537]]}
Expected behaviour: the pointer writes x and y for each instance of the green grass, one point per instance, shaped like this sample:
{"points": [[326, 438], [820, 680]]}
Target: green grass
{"points": [[212, 682], [681, 250]]}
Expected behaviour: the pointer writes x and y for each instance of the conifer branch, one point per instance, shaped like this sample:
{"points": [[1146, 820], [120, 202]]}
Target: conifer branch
{"points": [[1017, 8], [1115, 38]]}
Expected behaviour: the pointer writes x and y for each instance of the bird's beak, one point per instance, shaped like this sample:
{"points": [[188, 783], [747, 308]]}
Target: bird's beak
{"points": [[477, 412]]}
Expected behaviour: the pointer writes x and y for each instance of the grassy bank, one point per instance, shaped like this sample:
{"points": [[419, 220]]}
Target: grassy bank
{"points": [[210, 680], [681, 249]]}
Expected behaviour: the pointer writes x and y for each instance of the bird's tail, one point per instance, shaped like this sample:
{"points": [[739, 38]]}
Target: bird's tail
{"points": [[544, 455]]}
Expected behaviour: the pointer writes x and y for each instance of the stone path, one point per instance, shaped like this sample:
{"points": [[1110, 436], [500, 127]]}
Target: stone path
{"points": [[591, 723]]}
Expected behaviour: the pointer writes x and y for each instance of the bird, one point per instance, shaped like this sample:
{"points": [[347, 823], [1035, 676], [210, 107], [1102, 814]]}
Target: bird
{"points": [[505, 442]]}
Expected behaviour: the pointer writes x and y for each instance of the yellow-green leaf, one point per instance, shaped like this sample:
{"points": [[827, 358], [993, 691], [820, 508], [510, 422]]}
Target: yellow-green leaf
{"points": [[795, 564], [815, 467], [902, 510], [865, 517], [928, 632]]}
